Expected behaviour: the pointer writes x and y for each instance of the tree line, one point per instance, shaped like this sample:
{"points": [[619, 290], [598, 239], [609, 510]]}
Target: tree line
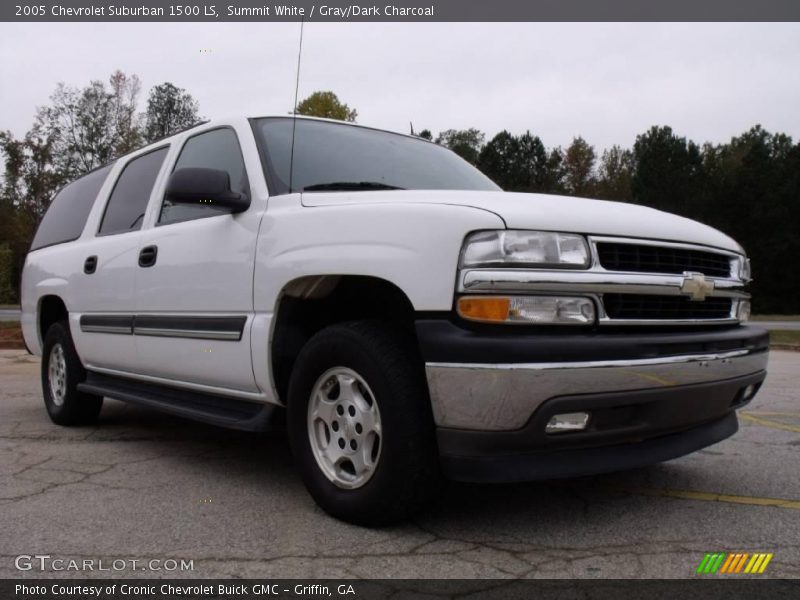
{"points": [[748, 187]]}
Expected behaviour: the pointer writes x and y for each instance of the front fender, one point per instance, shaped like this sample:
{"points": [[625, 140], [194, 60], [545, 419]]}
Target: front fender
{"points": [[414, 246]]}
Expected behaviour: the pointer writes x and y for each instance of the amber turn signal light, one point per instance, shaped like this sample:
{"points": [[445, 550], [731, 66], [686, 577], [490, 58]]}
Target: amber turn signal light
{"points": [[528, 310], [492, 309]]}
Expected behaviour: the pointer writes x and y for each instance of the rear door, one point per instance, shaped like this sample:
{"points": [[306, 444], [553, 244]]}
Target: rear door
{"points": [[194, 297], [56, 261], [103, 284]]}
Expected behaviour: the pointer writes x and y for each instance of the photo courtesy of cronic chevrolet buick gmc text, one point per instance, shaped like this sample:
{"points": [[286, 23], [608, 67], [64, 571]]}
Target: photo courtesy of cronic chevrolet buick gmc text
{"points": [[407, 319]]}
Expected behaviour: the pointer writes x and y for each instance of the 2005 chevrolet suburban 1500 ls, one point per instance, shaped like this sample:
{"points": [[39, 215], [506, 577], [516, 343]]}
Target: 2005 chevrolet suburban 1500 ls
{"points": [[406, 317]]}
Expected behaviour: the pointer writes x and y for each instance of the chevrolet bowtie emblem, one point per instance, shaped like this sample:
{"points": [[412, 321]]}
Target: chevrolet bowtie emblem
{"points": [[695, 286]]}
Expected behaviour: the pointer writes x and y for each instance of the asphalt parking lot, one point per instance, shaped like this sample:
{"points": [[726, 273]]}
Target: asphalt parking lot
{"points": [[143, 486]]}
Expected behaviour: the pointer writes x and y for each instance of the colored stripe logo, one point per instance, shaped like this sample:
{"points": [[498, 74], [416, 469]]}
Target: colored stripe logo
{"points": [[733, 563]]}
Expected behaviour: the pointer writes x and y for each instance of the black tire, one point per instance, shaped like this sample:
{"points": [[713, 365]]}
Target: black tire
{"points": [[66, 405], [406, 474]]}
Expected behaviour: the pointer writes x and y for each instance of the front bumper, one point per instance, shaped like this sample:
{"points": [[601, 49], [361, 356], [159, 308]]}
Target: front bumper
{"points": [[493, 392]]}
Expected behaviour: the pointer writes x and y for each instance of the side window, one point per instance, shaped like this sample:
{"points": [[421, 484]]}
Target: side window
{"points": [[66, 217], [217, 149], [128, 201]]}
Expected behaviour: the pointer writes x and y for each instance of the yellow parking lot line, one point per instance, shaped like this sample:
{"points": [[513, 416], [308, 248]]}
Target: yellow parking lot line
{"points": [[750, 418], [706, 496], [769, 413]]}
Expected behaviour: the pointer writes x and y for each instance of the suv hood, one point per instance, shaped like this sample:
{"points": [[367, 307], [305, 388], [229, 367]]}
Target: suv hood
{"points": [[550, 213]]}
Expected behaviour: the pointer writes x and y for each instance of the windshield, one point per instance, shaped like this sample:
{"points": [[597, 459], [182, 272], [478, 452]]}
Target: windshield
{"points": [[339, 157]]}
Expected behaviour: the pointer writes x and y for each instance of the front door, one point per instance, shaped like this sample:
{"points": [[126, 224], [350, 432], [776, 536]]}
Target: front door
{"points": [[194, 294]]}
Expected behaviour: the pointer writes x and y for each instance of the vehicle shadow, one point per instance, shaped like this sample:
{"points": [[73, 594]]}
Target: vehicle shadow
{"points": [[263, 463]]}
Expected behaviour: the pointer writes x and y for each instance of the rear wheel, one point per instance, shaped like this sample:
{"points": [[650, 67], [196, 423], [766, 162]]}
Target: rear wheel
{"points": [[360, 424], [62, 371]]}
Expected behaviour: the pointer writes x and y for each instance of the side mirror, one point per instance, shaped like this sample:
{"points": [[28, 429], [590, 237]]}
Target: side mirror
{"points": [[205, 187]]}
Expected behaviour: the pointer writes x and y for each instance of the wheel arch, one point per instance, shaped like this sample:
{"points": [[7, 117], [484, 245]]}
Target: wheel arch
{"points": [[51, 309], [308, 304]]}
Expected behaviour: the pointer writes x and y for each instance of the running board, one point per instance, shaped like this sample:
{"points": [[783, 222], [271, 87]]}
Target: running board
{"points": [[206, 408]]}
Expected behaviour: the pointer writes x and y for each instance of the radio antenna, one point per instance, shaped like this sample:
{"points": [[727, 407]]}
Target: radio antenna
{"points": [[294, 112]]}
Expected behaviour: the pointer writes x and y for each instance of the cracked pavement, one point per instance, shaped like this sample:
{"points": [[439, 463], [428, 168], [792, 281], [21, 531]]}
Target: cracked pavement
{"points": [[142, 485]]}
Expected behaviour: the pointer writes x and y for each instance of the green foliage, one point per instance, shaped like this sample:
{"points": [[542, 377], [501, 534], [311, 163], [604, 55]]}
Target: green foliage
{"points": [[85, 128], [578, 168], [326, 105], [520, 163], [614, 175], [667, 171], [31, 174], [464, 142], [498, 160], [553, 173], [7, 293], [169, 109], [124, 98]]}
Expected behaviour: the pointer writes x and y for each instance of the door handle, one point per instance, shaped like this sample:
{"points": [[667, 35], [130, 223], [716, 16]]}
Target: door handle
{"points": [[148, 255], [90, 265]]}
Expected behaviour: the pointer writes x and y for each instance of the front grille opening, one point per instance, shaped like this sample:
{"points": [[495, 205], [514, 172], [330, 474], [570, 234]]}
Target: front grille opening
{"points": [[641, 258], [644, 307]]}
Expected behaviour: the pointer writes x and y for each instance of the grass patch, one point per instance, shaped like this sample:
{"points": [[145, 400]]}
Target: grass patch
{"points": [[9, 306], [785, 338], [775, 317]]}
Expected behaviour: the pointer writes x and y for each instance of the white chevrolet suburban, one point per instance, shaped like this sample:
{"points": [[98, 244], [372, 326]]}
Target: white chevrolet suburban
{"points": [[405, 318]]}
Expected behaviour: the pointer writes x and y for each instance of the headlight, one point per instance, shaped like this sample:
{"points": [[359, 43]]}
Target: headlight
{"points": [[525, 248]]}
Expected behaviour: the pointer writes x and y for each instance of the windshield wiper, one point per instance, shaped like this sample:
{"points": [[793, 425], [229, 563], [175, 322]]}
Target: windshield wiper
{"points": [[350, 186]]}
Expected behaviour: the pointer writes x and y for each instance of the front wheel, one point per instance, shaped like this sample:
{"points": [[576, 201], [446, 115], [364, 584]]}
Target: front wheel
{"points": [[360, 424], [62, 371]]}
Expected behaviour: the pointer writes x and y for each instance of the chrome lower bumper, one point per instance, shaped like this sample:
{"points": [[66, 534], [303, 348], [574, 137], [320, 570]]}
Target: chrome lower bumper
{"points": [[500, 397]]}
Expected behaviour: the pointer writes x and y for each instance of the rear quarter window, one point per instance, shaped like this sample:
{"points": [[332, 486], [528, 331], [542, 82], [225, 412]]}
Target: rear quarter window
{"points": [[66, 217]]}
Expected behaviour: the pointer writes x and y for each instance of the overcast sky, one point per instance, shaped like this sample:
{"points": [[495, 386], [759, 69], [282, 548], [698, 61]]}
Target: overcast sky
{"points": [[606, 82]]}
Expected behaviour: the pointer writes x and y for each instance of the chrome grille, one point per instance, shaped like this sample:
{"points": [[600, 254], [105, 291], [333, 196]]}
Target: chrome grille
{"points": [[643, 258]]}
